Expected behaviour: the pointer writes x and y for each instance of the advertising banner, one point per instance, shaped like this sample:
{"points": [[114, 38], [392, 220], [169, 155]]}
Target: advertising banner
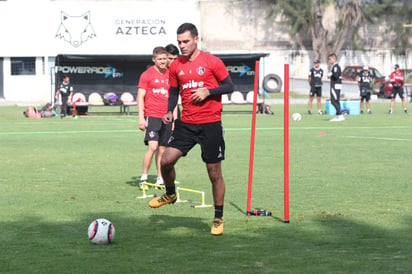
{"points": [[49, 28]]}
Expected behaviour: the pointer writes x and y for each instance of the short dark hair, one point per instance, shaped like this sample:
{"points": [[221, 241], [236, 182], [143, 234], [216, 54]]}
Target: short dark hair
{"points": [[159, 50], [332, 55], [172, 49], [188, 27]]}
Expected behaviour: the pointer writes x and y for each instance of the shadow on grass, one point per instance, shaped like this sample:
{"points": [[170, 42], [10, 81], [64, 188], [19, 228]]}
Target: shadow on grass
{"points": [[182, 244], [135, 180]]}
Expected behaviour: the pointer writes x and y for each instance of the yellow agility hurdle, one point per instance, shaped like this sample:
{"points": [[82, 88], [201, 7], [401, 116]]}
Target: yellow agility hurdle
{"points": [[202, 193], [144, 195], [178, 190]]}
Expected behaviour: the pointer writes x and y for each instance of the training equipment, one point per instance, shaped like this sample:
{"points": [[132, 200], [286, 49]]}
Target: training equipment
{"points": [[296, 117], [286, 119], [101, 231], [259, 212], [178, 195]]}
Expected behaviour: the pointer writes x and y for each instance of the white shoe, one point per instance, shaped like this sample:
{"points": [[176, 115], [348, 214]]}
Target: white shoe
{"points": [[143, 179], [159, 181], [338, 118]]}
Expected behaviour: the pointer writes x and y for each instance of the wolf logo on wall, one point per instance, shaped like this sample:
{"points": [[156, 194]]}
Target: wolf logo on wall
{"points": [[75, 29]]}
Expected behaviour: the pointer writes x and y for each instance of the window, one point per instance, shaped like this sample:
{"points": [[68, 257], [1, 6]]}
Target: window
{"points": [[23, 66]]}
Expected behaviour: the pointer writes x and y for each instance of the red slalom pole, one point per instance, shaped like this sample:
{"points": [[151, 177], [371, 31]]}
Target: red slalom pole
{"points": [[286, 144], [252, 137]]}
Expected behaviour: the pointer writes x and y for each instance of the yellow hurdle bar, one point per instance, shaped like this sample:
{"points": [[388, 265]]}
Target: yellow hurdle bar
{"points": [[144, 196], [202, 193], [178, 189]]}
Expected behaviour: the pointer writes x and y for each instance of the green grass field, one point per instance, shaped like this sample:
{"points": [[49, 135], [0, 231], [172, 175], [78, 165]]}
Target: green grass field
{"points": [[350, 197]]}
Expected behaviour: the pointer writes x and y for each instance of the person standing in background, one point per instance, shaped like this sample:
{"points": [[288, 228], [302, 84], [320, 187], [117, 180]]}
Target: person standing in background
{"points": [[172, 54], [335, 75], [364, 83], [65, 90], [315, 82], [153, 94], [396, 80]]}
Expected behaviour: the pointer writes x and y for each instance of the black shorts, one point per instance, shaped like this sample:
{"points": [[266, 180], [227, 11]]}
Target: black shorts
{"points": [[156, 130], [209, 136], [397, 91], [315, 91], [365, 96]]}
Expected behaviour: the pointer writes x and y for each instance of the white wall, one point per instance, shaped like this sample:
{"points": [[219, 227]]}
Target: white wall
{"points": [[48, 28]]}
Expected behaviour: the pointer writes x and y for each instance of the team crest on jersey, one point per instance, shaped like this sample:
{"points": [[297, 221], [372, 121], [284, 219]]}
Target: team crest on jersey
{"points": [[200, 71], [181, 73]]}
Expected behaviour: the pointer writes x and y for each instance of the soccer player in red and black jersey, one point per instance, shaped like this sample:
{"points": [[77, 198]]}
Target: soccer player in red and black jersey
{"points": [[201, 79], [153, 95]]}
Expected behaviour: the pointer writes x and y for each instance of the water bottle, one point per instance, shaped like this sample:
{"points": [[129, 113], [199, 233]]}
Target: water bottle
{"points": [[259, 212]]}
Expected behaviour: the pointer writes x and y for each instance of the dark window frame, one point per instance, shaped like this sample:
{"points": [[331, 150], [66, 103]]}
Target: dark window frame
{"points": [[23, 66]]}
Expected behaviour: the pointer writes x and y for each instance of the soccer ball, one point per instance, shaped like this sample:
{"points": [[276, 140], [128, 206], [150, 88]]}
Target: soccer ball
{"points": [[296, 117], [101, 231]]}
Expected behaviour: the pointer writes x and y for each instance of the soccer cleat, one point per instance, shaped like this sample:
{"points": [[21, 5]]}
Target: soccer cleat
{"points": [[369, 112], [338, 118], [163, 200], [309, 112], [361, 112], [217, 227], [390, 111], [406, 111], [320, 112]]}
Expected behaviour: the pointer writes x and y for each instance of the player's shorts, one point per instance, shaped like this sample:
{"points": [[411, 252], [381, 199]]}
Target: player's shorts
{"points": [[366, 97], [365, 94], [395, 91], [315, 91], [208, 136], [158, 131]]}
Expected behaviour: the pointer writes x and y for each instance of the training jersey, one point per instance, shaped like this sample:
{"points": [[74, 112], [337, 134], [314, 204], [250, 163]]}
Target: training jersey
{"points": [[365, 81], [397, 78], [157, 87], [65, 89], [316, 75], [336, 77], [205, 71]]}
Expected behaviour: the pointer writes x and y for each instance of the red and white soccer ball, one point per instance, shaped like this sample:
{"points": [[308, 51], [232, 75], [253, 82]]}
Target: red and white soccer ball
{"points": [[101, 231], [296, 117]]}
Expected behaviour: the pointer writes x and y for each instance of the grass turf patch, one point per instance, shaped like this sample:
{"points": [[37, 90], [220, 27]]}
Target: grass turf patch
{"points": [[350, 207]]}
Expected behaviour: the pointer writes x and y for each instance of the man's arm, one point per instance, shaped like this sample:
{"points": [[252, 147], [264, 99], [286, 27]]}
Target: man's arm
{"points": [[173, 98], [226, 86], [140, 106]]}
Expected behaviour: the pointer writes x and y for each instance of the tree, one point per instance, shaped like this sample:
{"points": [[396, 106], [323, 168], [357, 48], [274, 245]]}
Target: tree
{"points": [[311, 31], [306, 18]]}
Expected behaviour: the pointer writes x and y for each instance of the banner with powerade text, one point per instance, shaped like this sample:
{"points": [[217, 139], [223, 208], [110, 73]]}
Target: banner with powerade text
{"points": [[121, 73]]}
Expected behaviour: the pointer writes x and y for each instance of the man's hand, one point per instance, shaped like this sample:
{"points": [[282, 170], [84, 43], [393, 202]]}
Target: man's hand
{"points": [[168, 118], [142, 124], [200, 94]]}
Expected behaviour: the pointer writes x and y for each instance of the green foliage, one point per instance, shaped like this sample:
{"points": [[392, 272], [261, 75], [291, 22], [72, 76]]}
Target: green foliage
{"points": [[350, 209]]}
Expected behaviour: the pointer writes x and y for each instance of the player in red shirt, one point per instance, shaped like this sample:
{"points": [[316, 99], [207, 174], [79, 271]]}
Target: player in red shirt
{"points": [[201, 79], [396, 80], [153, 95]]}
